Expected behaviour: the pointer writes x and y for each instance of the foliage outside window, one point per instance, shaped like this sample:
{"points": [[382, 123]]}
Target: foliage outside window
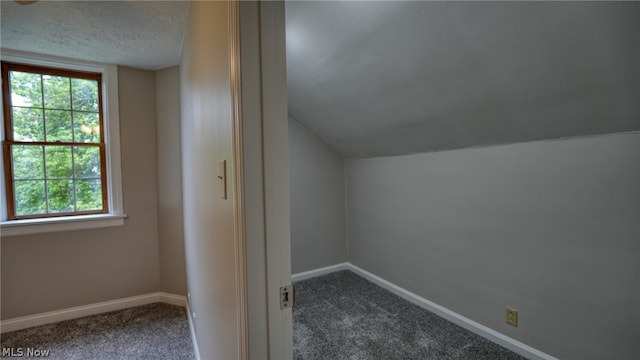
{"points": [[54, 149]]}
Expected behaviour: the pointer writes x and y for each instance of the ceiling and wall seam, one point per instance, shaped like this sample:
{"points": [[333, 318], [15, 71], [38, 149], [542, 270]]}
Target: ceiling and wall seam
{"points": [[316, 136], [471, 148]]}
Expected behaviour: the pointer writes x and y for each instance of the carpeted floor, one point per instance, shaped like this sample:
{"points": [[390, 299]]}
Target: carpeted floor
{"points": [[343, 316], [150, 332], [335, 316]]}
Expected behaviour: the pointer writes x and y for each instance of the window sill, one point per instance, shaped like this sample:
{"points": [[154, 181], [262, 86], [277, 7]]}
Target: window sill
{"points": [[69, 223]]}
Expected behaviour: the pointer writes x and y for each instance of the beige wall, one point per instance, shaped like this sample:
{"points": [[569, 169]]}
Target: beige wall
{"points": [[206, 122], [170, 225], [53, 271]]}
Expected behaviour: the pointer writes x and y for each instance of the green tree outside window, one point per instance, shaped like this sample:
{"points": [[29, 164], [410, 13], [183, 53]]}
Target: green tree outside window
{"points": [[53, 142]]}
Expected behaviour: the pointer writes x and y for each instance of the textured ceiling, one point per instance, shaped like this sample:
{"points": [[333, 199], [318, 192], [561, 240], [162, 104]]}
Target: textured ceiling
{"points": [[386, 78], [389, 78], [141, 34]]}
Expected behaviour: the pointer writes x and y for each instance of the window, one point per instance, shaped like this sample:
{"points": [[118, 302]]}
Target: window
{"points": [[54, 150], [61, 151]]}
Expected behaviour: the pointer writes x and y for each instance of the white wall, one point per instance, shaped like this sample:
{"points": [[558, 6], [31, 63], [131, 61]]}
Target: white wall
{"points": [[206, 125], [318, 222], [550, 228], [170, 224], [47, 272]]}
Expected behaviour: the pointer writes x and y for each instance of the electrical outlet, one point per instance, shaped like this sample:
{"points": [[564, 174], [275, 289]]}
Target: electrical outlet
{"points": [[511, 316]]}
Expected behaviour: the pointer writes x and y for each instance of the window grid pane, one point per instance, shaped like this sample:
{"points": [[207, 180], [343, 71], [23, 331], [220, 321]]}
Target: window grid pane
{"points": [[28, 162], [28, 124], [26, 89], [62, 172], [58, 126], [57, 92], [72, 183], [30, 197]]}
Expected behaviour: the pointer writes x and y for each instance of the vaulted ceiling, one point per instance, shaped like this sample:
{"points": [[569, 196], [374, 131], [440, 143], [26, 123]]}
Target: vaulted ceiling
{"points": [[374, 78], [388, 78]]}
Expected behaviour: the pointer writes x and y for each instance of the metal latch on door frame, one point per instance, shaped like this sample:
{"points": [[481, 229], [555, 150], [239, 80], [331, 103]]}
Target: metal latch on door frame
{"points": [[286, 296]]}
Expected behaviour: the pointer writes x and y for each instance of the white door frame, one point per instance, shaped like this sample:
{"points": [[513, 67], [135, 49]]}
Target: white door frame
{"points": [[266, 177]]}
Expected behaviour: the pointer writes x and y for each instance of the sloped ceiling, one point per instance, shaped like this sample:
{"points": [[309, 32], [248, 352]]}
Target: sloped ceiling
{"points": [[389, 78], [377, 78], [140, 34]]}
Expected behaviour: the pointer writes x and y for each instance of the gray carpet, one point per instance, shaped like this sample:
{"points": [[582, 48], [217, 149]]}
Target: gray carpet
{"points": [[343, 316], [150, 332]]}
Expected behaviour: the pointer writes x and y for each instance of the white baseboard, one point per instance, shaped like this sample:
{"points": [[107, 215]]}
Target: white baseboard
{"points": [[172, 299], [24, 322], [464, 322], [192, 330], [321, 271]]}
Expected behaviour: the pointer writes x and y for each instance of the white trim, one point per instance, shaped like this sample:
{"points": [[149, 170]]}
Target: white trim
{"points": [[275, 153], [172, 299], [65, 223], [24, 322], [240, 220], [112, 138], [464, 322], [321, 271], [192, 330], [35, 59]]}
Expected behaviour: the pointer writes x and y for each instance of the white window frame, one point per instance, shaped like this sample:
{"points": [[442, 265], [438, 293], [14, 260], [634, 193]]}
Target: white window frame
{"points": [[116, 214]]}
